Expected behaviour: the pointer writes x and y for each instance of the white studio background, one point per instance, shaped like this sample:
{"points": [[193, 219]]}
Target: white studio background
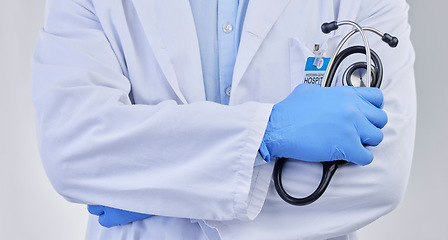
{"points": [[31, 209]]}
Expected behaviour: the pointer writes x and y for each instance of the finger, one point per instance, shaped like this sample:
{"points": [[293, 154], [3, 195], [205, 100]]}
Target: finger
{"points": [[115, 217], [354, 152], [360, 155], [95, 209], [106, 221], [369, 134], [376, 116], [371, 95]]}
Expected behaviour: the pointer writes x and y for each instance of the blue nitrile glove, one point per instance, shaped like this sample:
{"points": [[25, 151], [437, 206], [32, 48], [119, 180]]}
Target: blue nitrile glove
{"points": [[111, 217], [317, 124]]}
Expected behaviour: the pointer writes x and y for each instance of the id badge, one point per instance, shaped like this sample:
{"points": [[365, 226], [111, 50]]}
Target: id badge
{"points": [[315, 70]]}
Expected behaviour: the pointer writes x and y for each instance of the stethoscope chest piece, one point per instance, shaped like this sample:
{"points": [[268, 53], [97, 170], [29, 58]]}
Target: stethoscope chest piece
{"points": [[356, 74]]}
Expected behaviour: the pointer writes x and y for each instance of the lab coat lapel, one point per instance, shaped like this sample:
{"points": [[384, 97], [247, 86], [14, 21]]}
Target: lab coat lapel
{"points": [[260, 17], [170, 29]]}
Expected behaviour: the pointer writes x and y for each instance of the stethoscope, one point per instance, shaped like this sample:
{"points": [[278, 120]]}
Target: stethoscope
{"points": [[353, 76]]}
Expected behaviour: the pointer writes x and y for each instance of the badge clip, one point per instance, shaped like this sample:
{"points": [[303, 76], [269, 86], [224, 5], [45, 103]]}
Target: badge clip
{"points": [[317, 55]]}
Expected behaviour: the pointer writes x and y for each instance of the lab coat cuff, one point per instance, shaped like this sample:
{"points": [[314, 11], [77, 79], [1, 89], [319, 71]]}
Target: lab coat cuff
{"points": [[261, 180], [252, 182], [259, 160], [249, 206], [259, 188]]}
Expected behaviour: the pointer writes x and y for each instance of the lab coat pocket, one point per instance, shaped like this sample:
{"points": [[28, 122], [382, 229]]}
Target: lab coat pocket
{"points": [[298, 54]]}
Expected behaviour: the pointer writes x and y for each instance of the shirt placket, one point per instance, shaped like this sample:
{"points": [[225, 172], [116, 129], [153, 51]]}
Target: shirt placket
{"points": [[227, 11]]}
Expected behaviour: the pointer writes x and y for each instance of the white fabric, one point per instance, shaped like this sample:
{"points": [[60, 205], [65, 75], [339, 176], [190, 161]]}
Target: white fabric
{"points": [[173, 154]]}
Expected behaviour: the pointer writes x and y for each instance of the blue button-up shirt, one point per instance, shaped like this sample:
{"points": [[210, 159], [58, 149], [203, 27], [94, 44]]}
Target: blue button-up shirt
{"points": [[219, 25]]}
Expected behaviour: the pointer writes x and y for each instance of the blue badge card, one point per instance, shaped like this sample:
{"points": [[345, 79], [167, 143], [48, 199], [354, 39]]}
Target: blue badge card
{"points": [[315, 70]]}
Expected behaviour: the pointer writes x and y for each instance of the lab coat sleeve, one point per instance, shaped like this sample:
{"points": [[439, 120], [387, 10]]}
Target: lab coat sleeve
{"points": [[357, 195], [168, 159]]}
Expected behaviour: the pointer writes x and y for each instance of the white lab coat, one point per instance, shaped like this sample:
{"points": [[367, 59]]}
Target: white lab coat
{"points": [[123, 122]]}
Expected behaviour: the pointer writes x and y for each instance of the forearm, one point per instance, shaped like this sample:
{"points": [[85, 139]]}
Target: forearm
{"points": [[98, 147]]}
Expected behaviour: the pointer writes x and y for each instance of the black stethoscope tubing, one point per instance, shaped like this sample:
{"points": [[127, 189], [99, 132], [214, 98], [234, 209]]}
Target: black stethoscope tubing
{"points": [[328, 168]]}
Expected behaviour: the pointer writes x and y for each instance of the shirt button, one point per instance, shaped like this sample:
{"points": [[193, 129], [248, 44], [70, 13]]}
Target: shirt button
{"points": [[227, 28], [228, 91]]}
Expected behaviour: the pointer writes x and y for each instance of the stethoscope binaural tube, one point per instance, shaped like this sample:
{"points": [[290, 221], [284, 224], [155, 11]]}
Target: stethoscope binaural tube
{"points": [[373, 80], [331, 26]]}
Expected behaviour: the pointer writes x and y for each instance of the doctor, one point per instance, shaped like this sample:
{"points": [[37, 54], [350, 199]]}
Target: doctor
{"points": [[174, 112]]}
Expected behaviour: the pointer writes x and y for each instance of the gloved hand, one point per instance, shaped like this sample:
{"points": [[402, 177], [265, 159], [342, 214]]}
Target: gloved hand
{"points": [[111, 217], [319, 124]]}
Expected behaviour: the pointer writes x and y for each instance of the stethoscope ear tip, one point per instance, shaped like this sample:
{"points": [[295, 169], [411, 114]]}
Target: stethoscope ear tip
{"points": [[390, 40], [329, 27]]}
